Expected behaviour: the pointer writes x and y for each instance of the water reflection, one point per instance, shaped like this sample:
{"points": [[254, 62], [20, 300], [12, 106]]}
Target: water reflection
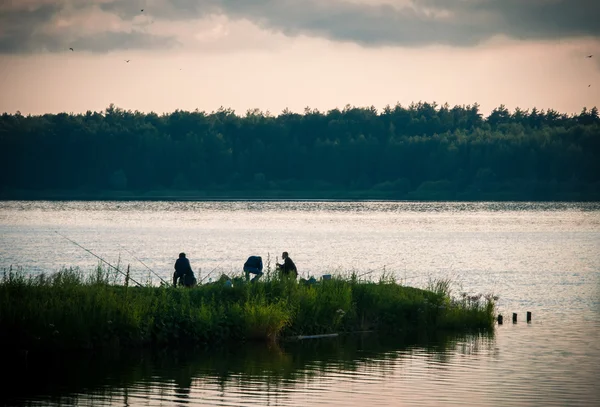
{"points": [[243, 374]]}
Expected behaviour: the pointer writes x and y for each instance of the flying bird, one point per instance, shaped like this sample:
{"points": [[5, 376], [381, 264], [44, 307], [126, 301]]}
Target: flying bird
{"points": [[127, 60], [589, 56], [71, 49], [142, 10]]}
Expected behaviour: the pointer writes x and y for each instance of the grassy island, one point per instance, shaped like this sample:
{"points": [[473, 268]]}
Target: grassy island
{"points": [[69, 310]]}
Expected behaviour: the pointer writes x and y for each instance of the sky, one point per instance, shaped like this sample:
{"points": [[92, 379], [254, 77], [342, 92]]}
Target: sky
{"points": [[278, 54]]}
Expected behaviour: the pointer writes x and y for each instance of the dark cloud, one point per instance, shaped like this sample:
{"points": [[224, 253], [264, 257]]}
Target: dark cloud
{"points": [[528, 19], [174, 10], [418, 23], [17, 27], [24, 30], [365, 24], [421, 22]]}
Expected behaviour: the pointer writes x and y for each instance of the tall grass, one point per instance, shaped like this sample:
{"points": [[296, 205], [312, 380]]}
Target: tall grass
{"points": [[69, 310]]}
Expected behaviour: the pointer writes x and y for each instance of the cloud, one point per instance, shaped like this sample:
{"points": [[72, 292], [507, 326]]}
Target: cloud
{"points": [[110, 41], [528, 19], [422, 22], [18, 27], [30, 26], [370, 23], [403, 23]]}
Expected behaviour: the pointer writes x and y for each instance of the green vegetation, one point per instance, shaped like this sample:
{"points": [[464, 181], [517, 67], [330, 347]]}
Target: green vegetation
{"points": [[423, 151], [67, 311]]}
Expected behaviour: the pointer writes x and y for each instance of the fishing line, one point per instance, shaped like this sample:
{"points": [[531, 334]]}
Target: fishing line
{"points": [[98, 257], [206, 276], [378, 268], [132, 255]]}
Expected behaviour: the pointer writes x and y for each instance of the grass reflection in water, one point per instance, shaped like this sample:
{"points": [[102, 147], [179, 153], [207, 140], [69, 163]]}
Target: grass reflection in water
{"points": [[174, 375]]}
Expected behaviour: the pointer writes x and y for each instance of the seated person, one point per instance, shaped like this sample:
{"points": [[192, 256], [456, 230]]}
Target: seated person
{"points": [[288, 268], [253, 265]]}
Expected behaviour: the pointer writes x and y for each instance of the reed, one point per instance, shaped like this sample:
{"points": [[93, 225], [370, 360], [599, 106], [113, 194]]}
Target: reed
{"points": [[71, 309]]}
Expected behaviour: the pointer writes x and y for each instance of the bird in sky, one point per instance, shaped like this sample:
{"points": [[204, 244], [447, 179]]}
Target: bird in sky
{"points": [[127, 60], [142, 10], [71, 49], [589, 56]]}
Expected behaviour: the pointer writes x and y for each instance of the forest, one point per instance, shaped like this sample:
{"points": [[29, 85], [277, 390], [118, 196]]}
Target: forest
{"points": [[421, 151]]}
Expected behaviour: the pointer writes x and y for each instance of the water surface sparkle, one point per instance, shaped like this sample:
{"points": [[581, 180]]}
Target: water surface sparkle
{"points": [[538, 257]]}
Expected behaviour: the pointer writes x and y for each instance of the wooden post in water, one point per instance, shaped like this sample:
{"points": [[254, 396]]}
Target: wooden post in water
{"points": [[514, 317], [528, 317], [500, 319]]}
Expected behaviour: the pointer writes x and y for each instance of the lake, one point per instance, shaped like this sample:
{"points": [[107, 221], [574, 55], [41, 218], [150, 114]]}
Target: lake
{"points": [[538, 257]]}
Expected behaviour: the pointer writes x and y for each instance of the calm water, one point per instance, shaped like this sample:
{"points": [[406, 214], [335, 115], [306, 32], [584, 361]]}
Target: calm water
{"points": [[538, 257]]}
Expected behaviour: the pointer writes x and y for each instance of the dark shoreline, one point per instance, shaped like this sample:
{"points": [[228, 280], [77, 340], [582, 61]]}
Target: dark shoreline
{"points": [[216, 195]]}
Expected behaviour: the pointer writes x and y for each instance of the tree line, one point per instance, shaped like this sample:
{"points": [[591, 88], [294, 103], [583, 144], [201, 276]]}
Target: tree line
{"points": [[419, 151]]}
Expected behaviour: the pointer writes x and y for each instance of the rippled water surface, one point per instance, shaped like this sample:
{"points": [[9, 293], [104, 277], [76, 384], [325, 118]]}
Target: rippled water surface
{"points": [[538, 257]]}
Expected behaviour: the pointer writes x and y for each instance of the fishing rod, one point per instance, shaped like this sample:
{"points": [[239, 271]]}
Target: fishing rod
{"points": [[206, 276], [370, 271], [132, 255], [375, 269], [98, 257]]}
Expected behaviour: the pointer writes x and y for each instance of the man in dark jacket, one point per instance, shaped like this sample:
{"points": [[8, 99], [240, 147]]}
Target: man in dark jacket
{"points": [[288, 268], [183, 272], [253, 265]]}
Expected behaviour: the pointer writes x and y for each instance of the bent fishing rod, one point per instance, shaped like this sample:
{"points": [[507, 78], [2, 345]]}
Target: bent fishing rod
{"points": [[132, 255], [98, 257]]}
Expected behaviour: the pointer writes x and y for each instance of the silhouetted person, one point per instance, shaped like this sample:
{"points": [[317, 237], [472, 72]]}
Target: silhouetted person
{"points": [[253, 265], [287, 268], [183, 272]]}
